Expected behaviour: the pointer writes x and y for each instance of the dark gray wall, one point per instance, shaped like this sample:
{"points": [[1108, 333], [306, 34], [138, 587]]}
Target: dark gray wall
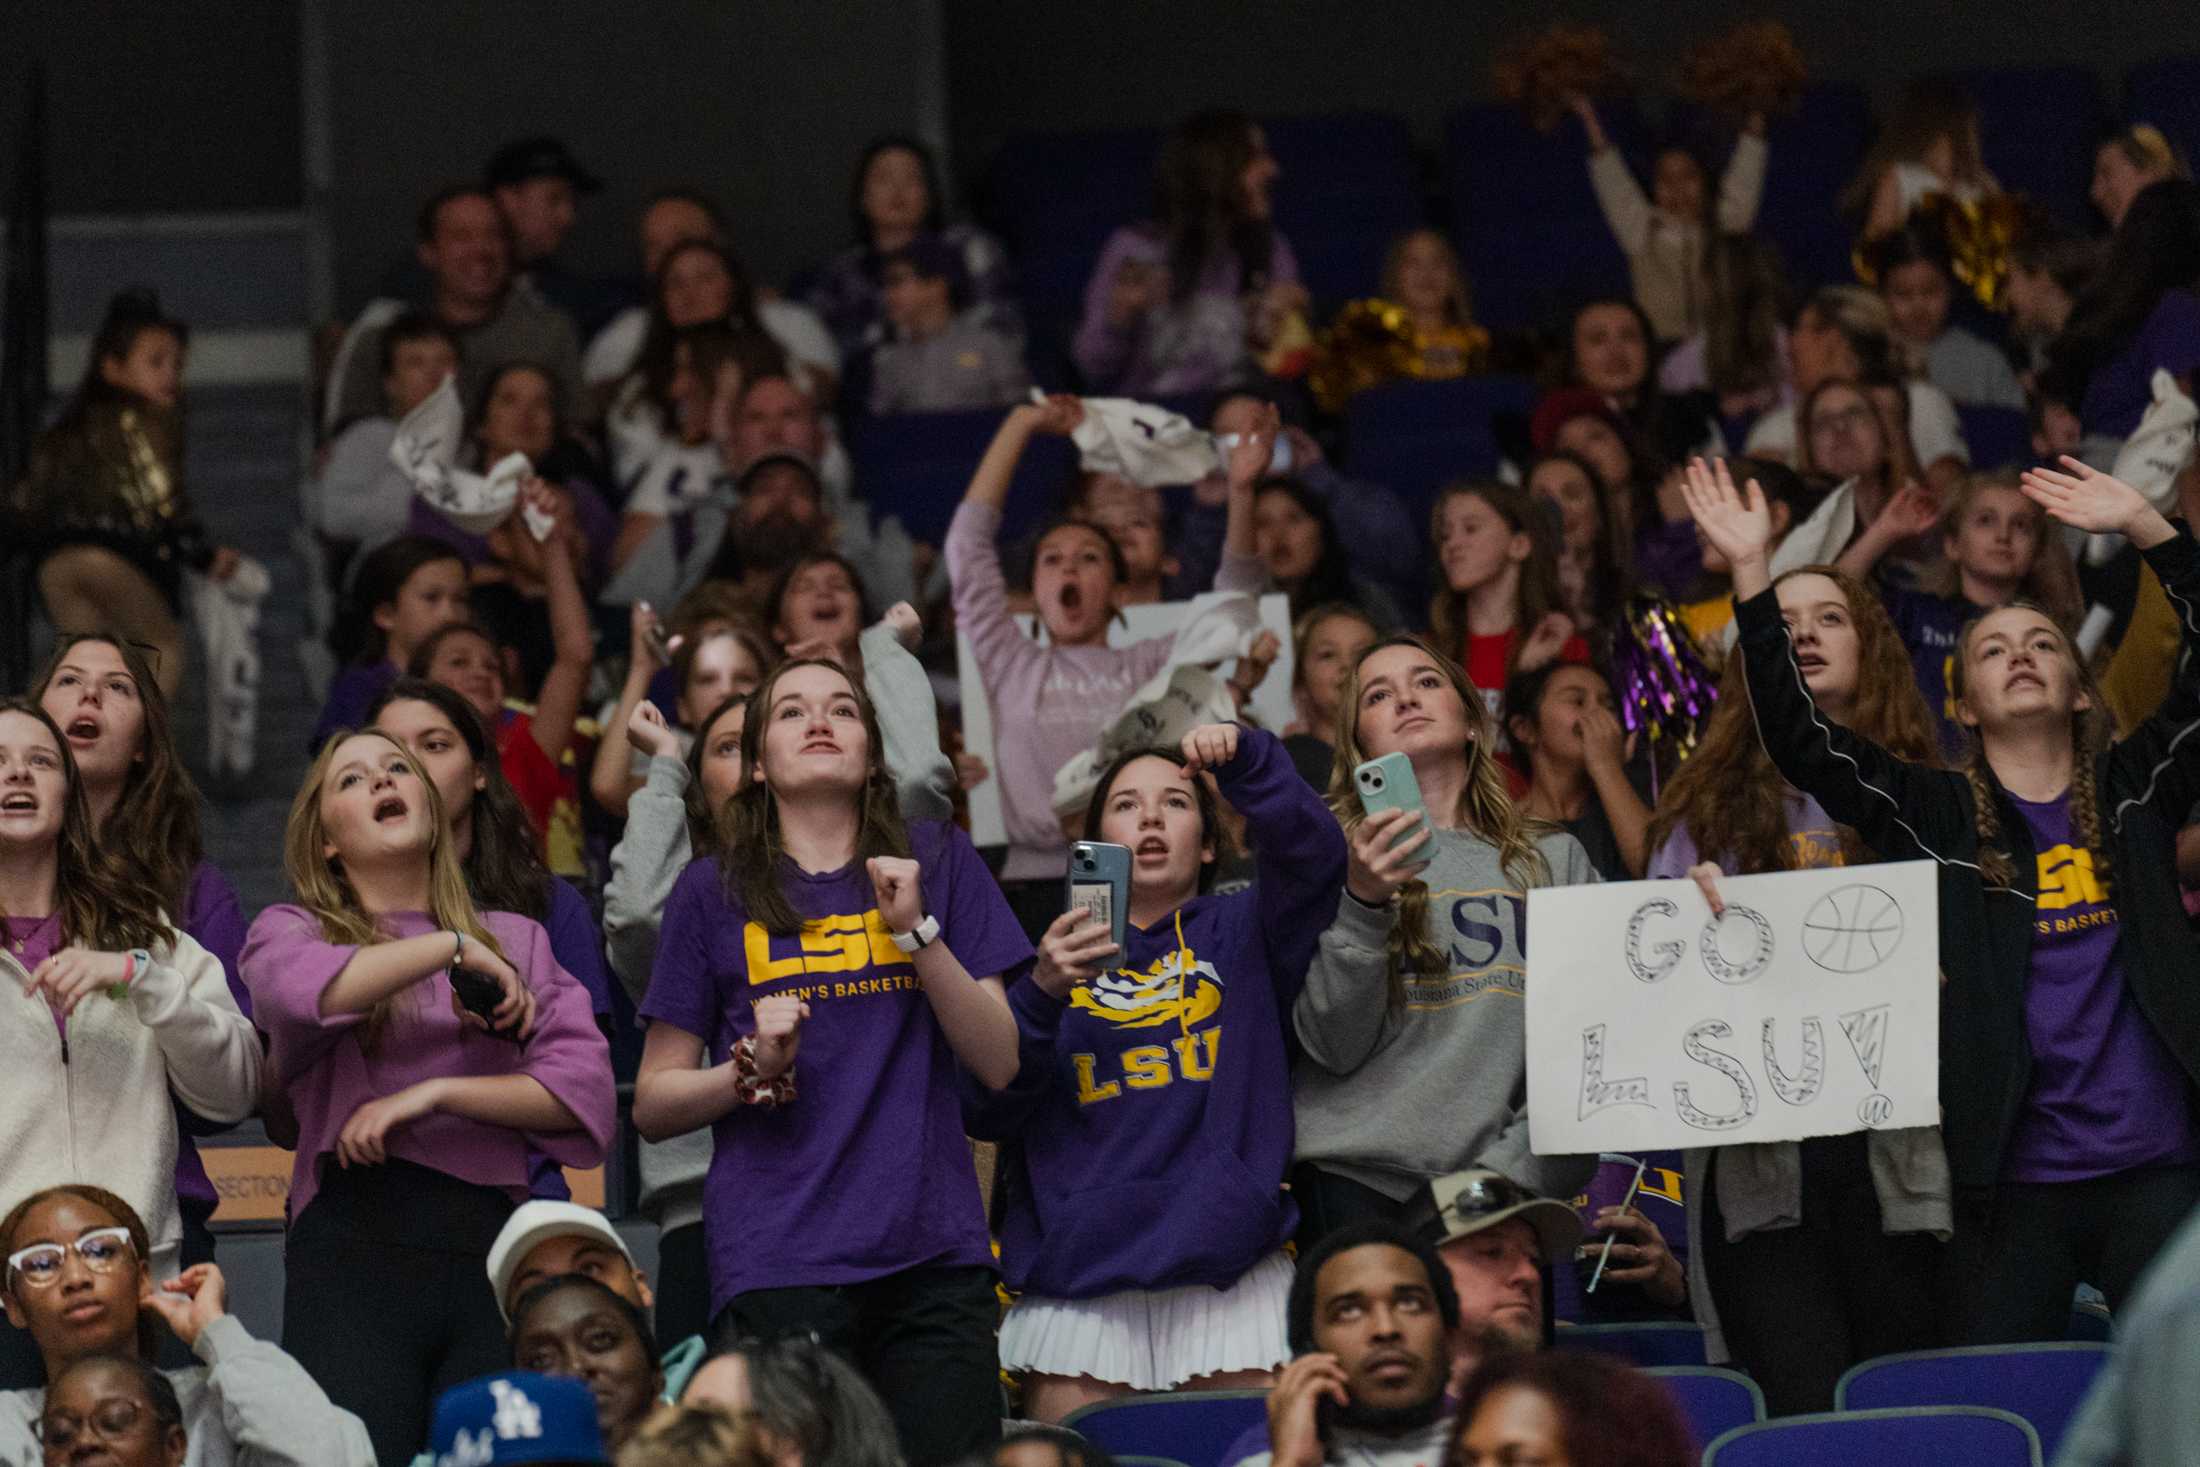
{"points": [[183, 106], [1017, 66], [763, 103]]}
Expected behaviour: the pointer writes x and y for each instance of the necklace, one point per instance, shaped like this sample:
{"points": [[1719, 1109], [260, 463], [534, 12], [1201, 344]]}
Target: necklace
{"points": [[23, 931]]}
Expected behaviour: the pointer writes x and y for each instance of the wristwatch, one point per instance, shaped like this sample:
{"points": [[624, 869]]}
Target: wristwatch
{"points": [[927, 932]]}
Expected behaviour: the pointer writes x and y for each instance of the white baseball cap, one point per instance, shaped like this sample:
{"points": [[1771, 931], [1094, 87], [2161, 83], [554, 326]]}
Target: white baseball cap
{"points": [[539, 1221]]}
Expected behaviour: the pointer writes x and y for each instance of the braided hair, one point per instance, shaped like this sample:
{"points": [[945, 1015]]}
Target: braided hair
{"points": [[2088, 737]]}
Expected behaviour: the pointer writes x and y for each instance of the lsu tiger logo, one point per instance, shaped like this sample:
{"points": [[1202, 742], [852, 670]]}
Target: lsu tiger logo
{"points": [[1166, 993]]}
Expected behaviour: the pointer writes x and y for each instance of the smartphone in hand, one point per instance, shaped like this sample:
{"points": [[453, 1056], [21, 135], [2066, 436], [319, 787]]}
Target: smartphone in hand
{"points": [[480, 994], [1100, 883], [1388, 784]]}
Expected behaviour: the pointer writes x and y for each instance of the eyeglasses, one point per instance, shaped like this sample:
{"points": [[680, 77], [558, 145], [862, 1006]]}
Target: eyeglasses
{"points": [[112, 1420], [102, 1249]]}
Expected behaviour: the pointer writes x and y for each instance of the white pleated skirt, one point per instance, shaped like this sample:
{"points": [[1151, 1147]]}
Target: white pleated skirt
{"points": [[1155, 1339]]}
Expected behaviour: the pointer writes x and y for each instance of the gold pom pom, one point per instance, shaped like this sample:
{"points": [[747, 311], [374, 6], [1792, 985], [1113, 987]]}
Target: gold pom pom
{"points": [[1542, 73], [1754, 68]]}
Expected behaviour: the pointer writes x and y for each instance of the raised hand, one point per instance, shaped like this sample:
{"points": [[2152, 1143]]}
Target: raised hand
{"points": [[1376, 869], [779, 1021], [1074, 949], [1707, 876], [647, 731], [1604, 744], [190, 1301], [898, 884], [1209, 746], [1912, 511], [1546, 639], [647, 646], [1059, 414], [1251, 454], [2087, 499], [1736, 522]]}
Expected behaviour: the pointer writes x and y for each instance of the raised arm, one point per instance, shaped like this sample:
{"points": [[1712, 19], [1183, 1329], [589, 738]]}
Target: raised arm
{"points": [[1902, 810], [1298, 849], [1911, 512], [608, 777], [972, 1011], [573, 641], [1627, 211], [979, 588], [1742, 186], [645, 865], [2160, 759]]}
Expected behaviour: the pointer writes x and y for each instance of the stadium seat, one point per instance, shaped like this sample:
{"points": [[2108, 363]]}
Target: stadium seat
{"points": [[916, 465], [1525, 218], [1999, 438], [1054, 198], [1143, 1461], [1650, 1344], [1192, 1427], [2167, 94], [1813, 152], [1349, 186], [2043, 1383], [1414, 437], [1714, 1400], [2039, 125], [1958, 1436]]}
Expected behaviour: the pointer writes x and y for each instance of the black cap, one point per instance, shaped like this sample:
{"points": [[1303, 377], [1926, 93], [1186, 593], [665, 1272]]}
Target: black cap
{"points": [[539, 158]]}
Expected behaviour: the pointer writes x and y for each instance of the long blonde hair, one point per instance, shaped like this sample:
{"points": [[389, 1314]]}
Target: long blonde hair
{"points": [[1486, 811], [322, 888]]}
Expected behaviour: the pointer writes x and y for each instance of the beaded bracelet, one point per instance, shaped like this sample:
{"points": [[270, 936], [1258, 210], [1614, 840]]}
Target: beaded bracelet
{"points": [[751, 1088]]}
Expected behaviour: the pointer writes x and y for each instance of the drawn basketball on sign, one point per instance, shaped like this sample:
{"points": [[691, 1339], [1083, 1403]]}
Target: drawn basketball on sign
{"points": [[1852, 929]]}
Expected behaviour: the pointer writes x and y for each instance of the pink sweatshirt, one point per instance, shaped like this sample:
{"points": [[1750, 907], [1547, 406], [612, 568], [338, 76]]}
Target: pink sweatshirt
{"points": [[328, 1075], [1049, 703]]}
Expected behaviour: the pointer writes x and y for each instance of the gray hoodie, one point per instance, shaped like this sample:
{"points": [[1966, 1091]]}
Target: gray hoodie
{"points": [[1391, 1099], [249, 1405], [654, 851]]}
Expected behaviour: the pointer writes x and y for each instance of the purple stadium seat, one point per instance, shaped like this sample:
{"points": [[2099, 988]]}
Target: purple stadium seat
{"points": [[1193, 1427], [1524, 215], [1714, 1400], [1415, 437], [1958, 1436], [2167, 94], [1998, 437], [916, 465], [2040, 125], [2042, 1383], [1642, 1344], [1349, 184]]}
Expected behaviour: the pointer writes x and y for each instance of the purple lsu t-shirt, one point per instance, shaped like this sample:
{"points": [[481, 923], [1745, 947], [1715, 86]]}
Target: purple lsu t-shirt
{"points": [[866, 1172], [2106, 1094]]}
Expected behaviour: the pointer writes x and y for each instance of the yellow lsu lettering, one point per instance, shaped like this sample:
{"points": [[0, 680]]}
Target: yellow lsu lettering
{"points": [[1148, 1066], [829, 945], [2067, 879]]}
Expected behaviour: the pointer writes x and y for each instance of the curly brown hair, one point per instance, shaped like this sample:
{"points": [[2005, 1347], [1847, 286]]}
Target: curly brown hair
{"points": [[1728, 796]]}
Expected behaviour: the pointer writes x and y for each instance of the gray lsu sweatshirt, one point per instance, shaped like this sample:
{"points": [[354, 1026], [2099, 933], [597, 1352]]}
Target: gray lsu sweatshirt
{"points": [[249, 1405], [654, 851], [1392, 1098]]}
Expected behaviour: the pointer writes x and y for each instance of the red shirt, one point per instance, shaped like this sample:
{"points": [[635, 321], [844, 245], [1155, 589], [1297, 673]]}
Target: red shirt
{"points": [[549, 794]]}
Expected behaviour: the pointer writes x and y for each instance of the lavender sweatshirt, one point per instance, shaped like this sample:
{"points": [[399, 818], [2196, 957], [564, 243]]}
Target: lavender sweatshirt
{"points": [[1049, 703], [329, 1075]]}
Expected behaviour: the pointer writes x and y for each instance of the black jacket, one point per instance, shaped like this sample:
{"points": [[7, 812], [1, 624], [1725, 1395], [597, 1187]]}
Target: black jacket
{"points": [[2148, 783]]}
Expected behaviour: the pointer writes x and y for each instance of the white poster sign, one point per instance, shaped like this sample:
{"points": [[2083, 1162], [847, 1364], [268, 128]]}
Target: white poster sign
{"points": [[1810, 1008], [1271, 700]]}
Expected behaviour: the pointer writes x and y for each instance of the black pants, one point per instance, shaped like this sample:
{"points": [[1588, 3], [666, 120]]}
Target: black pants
{"points": [[1800, 1305], [386, 1298], [1327, 1202], [923, 1338], [683, 1285], [2017, 1259]]}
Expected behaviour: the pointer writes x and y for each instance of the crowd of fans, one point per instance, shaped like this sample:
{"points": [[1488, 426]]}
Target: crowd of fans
{"points": [[657, 779]]}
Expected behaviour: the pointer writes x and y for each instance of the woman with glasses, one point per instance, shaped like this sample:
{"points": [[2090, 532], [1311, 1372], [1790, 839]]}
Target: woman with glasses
{"points": [[79, 1285], [111, 1008]]}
